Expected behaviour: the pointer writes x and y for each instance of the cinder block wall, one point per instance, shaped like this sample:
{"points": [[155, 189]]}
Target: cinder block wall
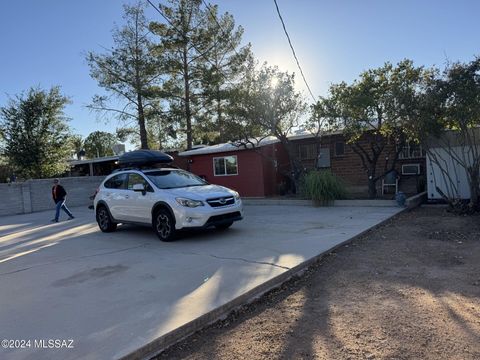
{"points": [[35, 195], [11, 199]]}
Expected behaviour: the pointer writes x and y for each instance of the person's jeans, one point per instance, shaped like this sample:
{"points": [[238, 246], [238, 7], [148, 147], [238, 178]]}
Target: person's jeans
{"points": [[61, 205]]}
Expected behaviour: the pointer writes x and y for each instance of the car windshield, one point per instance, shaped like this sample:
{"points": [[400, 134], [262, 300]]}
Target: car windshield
{"points": [[171, 179]]}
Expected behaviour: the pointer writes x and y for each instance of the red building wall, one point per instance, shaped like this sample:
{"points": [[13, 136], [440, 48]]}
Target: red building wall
{"points": [[249, 182], [263, 171]]}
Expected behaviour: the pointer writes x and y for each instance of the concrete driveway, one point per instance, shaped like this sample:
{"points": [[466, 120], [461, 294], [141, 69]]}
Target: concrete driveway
{"points": [[114, 293]]}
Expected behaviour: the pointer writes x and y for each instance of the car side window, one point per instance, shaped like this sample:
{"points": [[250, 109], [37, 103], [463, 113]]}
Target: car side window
{"points": [[117, 182], [138, 179]]}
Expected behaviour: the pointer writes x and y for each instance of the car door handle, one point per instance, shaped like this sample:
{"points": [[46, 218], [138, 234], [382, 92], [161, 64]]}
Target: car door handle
{"points": [[126, 196]]}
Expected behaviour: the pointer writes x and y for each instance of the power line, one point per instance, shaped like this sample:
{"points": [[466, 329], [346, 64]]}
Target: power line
{"points": [[293, 50], [161, 13]]}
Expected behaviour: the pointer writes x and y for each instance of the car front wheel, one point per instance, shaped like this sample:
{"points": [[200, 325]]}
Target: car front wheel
{"points": [[104, 220], [163, 225]]}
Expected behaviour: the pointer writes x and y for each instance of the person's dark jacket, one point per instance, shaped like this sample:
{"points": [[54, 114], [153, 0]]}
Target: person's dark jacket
{"points": [[58, 194]]}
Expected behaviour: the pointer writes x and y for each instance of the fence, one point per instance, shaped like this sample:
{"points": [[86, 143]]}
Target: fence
{"points": [[36, 195]]}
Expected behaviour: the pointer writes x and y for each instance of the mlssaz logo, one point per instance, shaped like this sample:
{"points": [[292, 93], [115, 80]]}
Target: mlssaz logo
{"points": [[54, 343]]}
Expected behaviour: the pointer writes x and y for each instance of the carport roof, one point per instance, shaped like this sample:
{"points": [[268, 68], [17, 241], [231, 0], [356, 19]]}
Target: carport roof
{"points": [[94, 160]]}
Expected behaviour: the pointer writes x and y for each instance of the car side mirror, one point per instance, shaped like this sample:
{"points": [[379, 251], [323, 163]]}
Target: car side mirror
{"points": [[139, 187]]}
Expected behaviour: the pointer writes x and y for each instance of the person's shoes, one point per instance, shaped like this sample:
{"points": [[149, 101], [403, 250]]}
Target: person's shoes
{"points": [[54, 220], [71, 217]]}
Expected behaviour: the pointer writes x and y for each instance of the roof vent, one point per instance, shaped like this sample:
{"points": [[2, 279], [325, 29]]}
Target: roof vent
{"points": [[198, 146]]}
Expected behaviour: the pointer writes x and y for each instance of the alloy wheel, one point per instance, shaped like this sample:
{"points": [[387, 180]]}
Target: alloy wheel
{"points": [[164, 228], [103, 219]]}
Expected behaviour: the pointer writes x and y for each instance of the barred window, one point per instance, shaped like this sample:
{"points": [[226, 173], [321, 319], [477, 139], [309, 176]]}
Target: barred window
{"points": [[411, 151], [307, 151]]}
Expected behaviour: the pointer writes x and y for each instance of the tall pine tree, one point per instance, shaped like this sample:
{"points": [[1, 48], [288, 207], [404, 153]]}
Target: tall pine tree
{"points": [[129, 73]]}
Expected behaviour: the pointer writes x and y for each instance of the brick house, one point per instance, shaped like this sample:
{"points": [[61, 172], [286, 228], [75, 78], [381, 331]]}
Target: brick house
{"points": [[340, 158], [260, 171]]}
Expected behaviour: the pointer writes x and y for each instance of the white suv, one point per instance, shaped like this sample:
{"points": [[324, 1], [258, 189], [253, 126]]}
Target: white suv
{"points": [[168, 199]]}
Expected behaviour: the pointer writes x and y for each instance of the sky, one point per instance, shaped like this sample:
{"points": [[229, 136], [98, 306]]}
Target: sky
{"points": [[43, 43]]}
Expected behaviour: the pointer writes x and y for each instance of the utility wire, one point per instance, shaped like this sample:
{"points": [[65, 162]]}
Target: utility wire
{"points": [[163, 15], [293, 50]]}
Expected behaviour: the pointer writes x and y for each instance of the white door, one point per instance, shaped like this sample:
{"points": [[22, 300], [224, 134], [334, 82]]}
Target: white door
{"points": [[140, 203], [116, 190]]}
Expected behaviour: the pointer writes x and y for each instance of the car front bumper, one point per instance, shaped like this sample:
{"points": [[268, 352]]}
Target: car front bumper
{"points": [[206, 216]]}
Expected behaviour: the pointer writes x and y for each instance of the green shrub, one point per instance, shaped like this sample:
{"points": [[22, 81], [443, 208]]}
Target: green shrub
{"points": [[322, 186]]}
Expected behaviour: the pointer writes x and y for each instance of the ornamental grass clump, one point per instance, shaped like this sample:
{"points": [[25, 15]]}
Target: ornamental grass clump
{"points": [[322, 187]]}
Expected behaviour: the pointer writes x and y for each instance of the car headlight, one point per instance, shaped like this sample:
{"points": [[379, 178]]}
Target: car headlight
{"points": [[189, 202], [236, 195]]}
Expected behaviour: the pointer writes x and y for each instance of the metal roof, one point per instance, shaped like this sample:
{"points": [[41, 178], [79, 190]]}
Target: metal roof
{"points": [[94, 160], [253, 143]]}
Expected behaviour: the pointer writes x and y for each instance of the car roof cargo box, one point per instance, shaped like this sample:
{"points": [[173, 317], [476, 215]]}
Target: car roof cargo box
{"points": [[144, 158]]}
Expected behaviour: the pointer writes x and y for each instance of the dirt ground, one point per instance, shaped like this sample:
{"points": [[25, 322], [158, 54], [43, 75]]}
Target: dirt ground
{"points": [[408, 290]]}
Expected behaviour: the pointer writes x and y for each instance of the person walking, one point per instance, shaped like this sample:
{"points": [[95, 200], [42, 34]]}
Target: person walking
{"points": [[59, 195]]}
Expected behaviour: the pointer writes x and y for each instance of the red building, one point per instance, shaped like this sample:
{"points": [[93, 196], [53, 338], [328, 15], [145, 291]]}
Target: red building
{"points": [[260, 171], [251, 172]]}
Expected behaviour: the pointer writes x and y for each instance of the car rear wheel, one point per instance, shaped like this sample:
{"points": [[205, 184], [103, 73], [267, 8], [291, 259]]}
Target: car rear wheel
{"points": [[164, 225], [224, 226], [104, 220]]}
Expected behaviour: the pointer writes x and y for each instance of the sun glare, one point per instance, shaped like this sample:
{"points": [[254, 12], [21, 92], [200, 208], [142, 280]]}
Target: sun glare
{"points": [[274, 82]]}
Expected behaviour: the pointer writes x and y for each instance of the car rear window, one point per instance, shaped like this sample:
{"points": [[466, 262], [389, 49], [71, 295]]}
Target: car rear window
{"points": [[171, 179], [117, 182]]}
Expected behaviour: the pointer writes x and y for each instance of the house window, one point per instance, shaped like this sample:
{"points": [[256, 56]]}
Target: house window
{"points": [[411, 151], [324, 158], [307, 151], [411, 169], [339, 148], [224, 166]]}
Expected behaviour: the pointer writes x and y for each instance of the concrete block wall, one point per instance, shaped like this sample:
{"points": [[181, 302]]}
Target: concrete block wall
{"points": [[35, 195], [11, 199]]}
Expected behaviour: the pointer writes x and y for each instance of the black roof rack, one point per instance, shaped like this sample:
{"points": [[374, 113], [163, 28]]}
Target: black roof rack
{"points": [[126, 168], [143, 168]]}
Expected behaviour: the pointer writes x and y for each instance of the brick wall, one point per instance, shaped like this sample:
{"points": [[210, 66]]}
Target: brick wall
{"points": [[349, 167], [271, 160], [35, 195]]}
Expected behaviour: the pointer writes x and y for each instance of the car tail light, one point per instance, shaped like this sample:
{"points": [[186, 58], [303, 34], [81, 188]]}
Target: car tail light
{"points": [[94, 194]]}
